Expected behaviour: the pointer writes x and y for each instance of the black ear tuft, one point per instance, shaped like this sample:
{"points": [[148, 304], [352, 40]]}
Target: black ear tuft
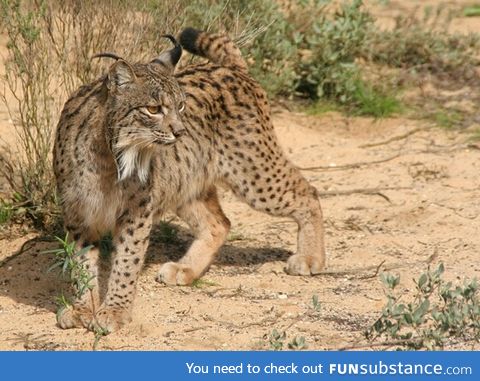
{"points": [[171, 57], [188, 39]]}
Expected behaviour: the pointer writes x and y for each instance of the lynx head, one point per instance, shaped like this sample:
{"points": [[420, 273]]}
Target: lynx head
{"points": [[143, 110]]}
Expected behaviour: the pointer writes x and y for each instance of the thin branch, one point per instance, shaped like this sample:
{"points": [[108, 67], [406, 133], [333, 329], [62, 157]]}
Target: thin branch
{"points": [[377, 268], [456, 211], [367, 191], [396, 138], [348, 166]]}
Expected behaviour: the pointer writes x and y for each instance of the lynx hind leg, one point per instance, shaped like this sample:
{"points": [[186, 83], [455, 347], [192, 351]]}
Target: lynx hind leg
{"points": [[273, 185], [82, 311], [210, 227], [310, 257]]}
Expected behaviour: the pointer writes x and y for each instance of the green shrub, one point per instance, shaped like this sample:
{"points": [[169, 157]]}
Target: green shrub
{"points": [[264, 32], [334, 42], [424, 44], [6, 212], [67, 259], [439, 313], [371, 101]]}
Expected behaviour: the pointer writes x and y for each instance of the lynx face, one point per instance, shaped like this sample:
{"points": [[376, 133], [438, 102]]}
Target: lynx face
{"points": [[146, 104]]}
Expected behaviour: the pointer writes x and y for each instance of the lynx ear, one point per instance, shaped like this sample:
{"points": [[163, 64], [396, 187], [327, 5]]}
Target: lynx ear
{"points": [[120, 74], [171, 57]]}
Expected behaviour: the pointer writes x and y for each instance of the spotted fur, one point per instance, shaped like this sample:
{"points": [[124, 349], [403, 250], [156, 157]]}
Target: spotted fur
{"points": [[119, 168]]}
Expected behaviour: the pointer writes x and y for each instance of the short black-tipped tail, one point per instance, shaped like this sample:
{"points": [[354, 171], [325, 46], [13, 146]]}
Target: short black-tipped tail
{"points": [[217, 48]]}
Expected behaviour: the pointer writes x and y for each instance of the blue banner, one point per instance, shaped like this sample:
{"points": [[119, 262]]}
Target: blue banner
{"points": [[219, 366]]}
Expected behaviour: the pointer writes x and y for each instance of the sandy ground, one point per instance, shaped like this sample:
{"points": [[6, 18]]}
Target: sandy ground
{"points": [[425, 211], [246, 293]]}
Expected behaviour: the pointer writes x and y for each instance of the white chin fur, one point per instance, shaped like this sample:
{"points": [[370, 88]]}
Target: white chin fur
{"points": [[130, 160]]}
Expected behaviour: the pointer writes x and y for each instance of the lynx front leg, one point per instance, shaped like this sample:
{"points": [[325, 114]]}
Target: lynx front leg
{"points": [[81, 313], [130, 241], [210, 227]]}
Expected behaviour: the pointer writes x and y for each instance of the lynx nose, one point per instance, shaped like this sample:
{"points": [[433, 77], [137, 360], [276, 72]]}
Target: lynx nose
{"points": [[178, 129], [179, 133]]}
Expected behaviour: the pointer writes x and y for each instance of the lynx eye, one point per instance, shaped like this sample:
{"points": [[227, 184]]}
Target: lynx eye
{"points": [[154, 109], [181, 106]]}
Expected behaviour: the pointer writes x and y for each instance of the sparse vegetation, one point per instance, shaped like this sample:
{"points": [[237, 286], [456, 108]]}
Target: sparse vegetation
{"points": [[448, 118], [439, 313], [202, 283], [472, 11], [278, 341], [332, 43], [67, 259], [6, 212], [298, 343], [424, 45], [373, 102], [235, 236], [308, 48]]}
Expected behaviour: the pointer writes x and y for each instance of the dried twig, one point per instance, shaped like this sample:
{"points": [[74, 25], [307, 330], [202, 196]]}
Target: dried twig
{"points": [[395, 138], [367, 191], [195, 329], [348, 166], [456, 211], [265, 321], [377, 268]]}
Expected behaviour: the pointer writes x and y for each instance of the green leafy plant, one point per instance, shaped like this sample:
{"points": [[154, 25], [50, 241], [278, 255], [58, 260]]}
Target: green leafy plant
{"points": [[235, 236], [315, 303], [333, 42], [67, 259], [99, 334], [448, 118], [368, 100], [6, 211], [298, 343], [439, 312], [202, 283], [277, 339], [475, 136], [472, 11]]}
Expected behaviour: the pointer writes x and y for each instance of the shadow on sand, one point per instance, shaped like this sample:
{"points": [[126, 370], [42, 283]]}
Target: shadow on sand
{"points": [[24, 276]]}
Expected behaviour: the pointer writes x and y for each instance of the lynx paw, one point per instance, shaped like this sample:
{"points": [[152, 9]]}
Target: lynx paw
{"points": [[110, 319], [304, 265], [74, 317], [172, 274]]}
